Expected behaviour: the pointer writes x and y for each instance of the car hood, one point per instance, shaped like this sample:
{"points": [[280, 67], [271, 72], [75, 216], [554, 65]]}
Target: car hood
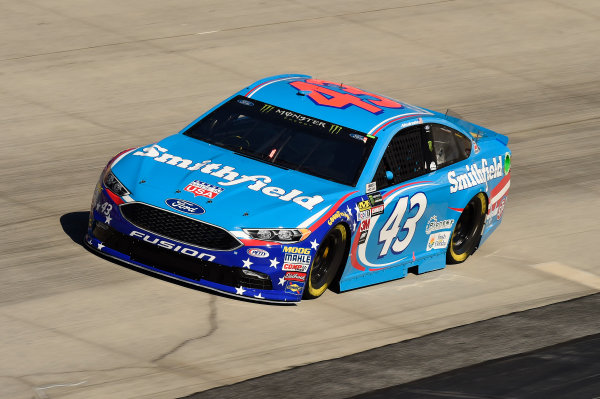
{"points": [[249, 193]]}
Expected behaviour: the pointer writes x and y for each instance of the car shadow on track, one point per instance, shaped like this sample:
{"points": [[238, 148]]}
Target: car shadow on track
{"points": [[74, 224]]}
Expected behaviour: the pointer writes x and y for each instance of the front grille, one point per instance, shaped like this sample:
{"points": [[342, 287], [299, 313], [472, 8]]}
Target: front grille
{"points": [[177, 263], [179, 228]]}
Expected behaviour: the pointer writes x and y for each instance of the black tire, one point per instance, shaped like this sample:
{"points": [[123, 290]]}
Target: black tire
{"points": [[326, 262], [467, 231]]}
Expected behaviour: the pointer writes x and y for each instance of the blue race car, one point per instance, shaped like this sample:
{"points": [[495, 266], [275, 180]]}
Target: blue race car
{"points": [[294, 185]]}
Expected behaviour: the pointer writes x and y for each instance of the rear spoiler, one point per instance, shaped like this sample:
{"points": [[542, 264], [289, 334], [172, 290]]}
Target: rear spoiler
{"points": [[476, 131]]}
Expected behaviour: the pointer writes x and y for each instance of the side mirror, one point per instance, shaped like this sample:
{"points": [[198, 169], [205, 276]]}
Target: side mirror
{"points": [[389, 175]]}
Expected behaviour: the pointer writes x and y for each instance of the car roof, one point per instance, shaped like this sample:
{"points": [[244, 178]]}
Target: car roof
{"points": [[334, 102]]}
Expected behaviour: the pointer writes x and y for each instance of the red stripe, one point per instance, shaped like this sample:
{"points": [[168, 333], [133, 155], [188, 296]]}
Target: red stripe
{"points": [[500, 185], [457, 209], [264, 83], [354, 255], [405, 185], [332, 210], [258, 243]]}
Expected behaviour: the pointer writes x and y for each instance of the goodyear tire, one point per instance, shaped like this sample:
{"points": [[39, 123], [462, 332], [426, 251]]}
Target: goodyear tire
{"points": [[467, 231], [330, 254]]}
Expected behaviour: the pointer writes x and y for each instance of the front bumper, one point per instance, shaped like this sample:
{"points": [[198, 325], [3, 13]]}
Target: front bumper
{"points": [[238, 272]]}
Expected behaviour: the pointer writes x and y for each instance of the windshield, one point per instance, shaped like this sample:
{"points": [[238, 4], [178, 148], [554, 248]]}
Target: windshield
{"points": [[286, 139]]}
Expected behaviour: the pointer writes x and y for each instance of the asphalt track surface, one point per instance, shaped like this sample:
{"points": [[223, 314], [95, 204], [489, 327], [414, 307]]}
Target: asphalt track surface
{"points": [[80, 81]]}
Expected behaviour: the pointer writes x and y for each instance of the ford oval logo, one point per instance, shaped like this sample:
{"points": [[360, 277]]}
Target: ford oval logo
{"points": [[246, 102], [257, 252], [184, 206]]}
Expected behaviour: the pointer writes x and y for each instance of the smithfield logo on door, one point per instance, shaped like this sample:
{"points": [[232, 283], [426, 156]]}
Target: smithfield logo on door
{"points": [[184, 206], [257, 253]]}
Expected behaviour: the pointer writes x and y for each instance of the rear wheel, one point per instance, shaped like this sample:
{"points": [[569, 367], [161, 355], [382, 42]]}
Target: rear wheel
{"points": [[467, 231], [326, 262]]}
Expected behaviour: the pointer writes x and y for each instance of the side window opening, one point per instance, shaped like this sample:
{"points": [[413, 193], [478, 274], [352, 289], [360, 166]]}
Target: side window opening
{"points": [[449, 145], [406, 157]]}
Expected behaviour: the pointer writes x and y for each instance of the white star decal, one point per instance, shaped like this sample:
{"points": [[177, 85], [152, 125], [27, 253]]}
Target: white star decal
{"points": [[100, 246], [356, 209], [314, 244], [259, 296], [274, 262], [247, 263], [89, 241], [108, 219], [354, 226], [240, 290], [349, 210], [281, 281]]}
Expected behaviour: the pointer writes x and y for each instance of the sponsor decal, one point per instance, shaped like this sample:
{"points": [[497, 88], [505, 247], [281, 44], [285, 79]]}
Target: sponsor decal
{"points": [[257, 252], [336, 216], [364, 205], [362, 238], [475, 148], [297, 258], [371, 187], [184, 206], [364, 215], [305, 120], [364, 225], [294, 276], [172, 246], [375, 199], [245, 102], [229, 176], [293, 287], [412, 123], [476, 175], [334, 129], [434, 225], [358, 137], [296, 250], [267, 108], [297, 267], [506, 163], [438, 240], [377, 210], [501, 208], [496, 210], [201, 189]]}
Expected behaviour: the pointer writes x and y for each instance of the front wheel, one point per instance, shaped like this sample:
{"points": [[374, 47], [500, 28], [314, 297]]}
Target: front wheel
{"points": [[326, 262], [467, 231]]}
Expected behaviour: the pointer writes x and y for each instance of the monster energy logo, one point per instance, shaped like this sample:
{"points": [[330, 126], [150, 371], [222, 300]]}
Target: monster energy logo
{"points": [[335, 129], [267, 108]]}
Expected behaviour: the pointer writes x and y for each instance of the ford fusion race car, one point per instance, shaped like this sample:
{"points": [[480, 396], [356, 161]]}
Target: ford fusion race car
{"points": [[294, 184]]}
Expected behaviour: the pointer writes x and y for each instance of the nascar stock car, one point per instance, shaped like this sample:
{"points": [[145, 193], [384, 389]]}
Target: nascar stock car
{"points": [[294, 185]]}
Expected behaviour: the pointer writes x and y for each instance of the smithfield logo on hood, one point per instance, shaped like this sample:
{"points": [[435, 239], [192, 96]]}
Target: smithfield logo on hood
{"points": [[185, 206], [230, 177]]}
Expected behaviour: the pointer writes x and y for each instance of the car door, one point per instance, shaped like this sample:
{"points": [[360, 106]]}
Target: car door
{"points": [[414, 193]]}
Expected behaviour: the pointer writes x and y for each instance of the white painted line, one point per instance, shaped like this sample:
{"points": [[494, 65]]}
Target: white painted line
{"points": [[39, 391], [570, 273], [206, 33]]}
